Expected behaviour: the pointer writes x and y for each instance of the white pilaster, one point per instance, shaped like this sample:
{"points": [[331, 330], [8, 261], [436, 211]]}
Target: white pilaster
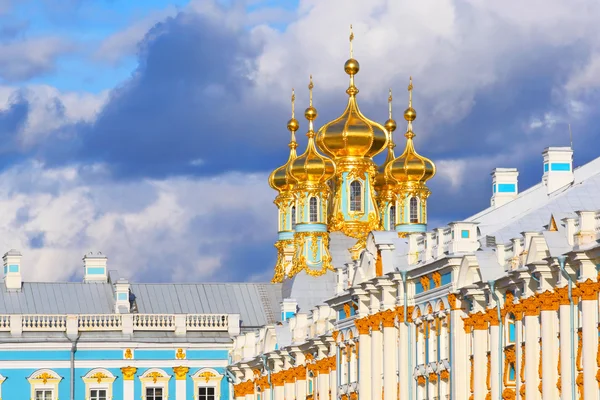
{"points": [[390, 388], [289, 389], [364, 358], [532, 354], [549, 356], [323, 386], [128, 382], [279, 393], [180, 389], [460, 356], [333, 385], [403, 349], [376, 360], [494, 358], [480, 362], [589, 309]]}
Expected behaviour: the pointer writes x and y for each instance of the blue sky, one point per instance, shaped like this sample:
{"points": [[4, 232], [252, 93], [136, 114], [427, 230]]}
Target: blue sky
{"points": [[147, 129]]}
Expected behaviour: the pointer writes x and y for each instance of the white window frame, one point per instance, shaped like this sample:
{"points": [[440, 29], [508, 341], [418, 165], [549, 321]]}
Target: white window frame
{"points": [[410, 210], [392, 217], [310, 210], [362, 197], [155, 377], [99, 378], [207, 377], [44, 379]]}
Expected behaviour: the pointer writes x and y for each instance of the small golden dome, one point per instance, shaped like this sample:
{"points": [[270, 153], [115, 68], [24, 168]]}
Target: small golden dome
{"points": [[293, 125], [279, 179], [352, 67], [310, 113], [410, 114], [311, 168], [390, 125], [410, 166]]}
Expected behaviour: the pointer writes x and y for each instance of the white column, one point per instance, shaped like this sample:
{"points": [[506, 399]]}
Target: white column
{"points": [[403, 346], [518, 353], [589, 333], [549, 356], [566, 353], [333, 383], [288, 387], [128, 382], [323, 385], [390, 388], [376, 357], [279, 392], [300, 386], [180, 381], [364, 358], [495, 357], [267, 393], [460, 355], [532, 354], [480, 361]]}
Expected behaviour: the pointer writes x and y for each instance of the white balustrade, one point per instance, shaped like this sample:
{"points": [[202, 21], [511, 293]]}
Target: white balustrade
{"points": [[207, 322], [41, 322], [4, 322], [100, 322], [114, 322]]}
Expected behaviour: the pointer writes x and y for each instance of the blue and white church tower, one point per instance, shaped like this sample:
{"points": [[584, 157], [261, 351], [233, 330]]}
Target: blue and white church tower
{"points": [[310, 173], [411, 171]]}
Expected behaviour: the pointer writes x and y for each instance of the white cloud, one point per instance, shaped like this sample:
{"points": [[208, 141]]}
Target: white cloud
{"points": [[124, 43], [148, 228], [27, 58], [51, 109]]}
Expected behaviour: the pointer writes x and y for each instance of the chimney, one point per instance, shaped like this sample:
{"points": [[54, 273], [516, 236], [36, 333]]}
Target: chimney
{"points": [[505, 185], [122, 304], [289, 308], [94, 266], [558, 167], [12, 270]]}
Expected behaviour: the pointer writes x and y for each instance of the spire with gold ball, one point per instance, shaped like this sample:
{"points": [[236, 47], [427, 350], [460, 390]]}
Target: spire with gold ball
{"points": [[352, 140], [411, 171], [281, 181], [386, 186], [311, 172]]}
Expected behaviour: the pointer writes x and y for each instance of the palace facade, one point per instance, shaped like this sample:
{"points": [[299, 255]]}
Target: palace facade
{"points": [[375, 305]]}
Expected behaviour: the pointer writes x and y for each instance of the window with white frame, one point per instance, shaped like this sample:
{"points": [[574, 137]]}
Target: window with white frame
{"points": [[293, 216], [355, 196], [392, 218], [43, 394], [44, 384], [154, 393], [207, 384], [98, 394], [206, 393], [314, 209], [414, 210]]}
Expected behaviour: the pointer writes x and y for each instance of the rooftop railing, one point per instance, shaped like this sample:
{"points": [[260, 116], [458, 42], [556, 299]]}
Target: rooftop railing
{"points": [[126, 323]]}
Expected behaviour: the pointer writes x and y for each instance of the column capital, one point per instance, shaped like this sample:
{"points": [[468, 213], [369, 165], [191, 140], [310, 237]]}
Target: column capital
{"points": [[589, 289], [363, 325], [388, 318], [128, 373], [180, 373], [549, 301]]}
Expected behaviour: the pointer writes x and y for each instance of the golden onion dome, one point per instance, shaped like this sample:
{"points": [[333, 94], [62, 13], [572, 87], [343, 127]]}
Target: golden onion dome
{"points": [[280, 179], [410, 166], [381, 179], [352, 134], [311, 168]]}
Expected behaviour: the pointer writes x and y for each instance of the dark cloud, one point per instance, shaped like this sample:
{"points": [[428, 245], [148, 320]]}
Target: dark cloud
{"points": [[11, 120]]}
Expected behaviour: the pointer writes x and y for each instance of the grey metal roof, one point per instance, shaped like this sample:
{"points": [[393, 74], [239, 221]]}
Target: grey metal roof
{"points": [[310, 291], [531, 210], [257, 303], [58, 298], [338, 248]]}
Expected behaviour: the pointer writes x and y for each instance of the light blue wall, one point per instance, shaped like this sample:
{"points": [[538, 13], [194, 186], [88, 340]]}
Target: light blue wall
{"points": [[507, 188], [560, 167]]}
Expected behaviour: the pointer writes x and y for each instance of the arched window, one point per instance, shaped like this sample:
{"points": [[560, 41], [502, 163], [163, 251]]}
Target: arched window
{"points": [[414, 210], [355, 196], [314, 209], [293, 216], [392, 218]]}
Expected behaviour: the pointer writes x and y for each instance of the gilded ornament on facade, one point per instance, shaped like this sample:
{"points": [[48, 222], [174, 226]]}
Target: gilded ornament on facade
{"points": [[388, 318], [421, 380], [509, 394], [375, 322], [445, 375], [549, 301], [425, 282], [589, 290], [363, 325], [510, 359], [128, 355], [436, 277], [452, 301], [154, 375], [433, 378], [181, 373], [128, 373], [99, 376], [540, 368], [44, 376], [180, 354]]}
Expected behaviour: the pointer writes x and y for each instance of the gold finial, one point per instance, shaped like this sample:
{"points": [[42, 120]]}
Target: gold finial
{"points": [[311, 112], [390, 124], [351, 39], [293, 123], [310, 88], [390, 104], [410, 89], [293, 103], [410, 114]]}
